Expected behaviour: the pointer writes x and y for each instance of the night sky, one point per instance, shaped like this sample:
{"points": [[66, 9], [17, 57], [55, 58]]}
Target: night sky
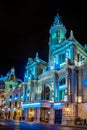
{"points": [[24, 29]]}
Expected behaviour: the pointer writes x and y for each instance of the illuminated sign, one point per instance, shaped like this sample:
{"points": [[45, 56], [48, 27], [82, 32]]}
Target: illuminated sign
{"points": [[46, 105], [57, 105], [32, 105]]}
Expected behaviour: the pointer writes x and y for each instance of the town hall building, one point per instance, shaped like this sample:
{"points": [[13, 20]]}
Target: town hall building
{"points": [[55, 92]]}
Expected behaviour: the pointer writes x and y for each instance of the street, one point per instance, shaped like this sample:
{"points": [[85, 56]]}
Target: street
{"points": [[11, 125]]}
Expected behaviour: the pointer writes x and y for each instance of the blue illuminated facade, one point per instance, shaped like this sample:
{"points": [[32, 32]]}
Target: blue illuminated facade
{"points": [[56, 88], [56, 84]]}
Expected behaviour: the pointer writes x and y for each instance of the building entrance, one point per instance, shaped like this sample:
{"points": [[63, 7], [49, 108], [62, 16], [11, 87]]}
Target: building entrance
{"points": [[31, 114], [58, 116], [44, 115]]}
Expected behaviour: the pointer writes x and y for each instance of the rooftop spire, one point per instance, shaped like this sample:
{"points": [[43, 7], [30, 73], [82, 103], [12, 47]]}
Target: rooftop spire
{"points": [[12, 70], [57, 19], [85, 46], [36, 54], [71, 35], [37, 58]]}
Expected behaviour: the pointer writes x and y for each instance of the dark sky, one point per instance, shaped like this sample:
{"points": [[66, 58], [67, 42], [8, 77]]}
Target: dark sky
{"points": [[24, 29]]}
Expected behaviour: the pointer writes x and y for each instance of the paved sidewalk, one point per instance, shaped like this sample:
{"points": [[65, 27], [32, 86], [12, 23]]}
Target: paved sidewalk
{"points": [[75, 126]]}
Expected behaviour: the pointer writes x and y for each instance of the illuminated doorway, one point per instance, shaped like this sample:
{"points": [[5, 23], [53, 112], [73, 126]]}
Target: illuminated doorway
{"points": [[31, 114], [44, 115]]}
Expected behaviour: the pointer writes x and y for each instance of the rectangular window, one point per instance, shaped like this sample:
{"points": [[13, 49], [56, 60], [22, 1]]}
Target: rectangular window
{"points": [[62, 58], [10, 96], [62, 93], [77, 57], [67, 54], [15, 103], [10, 104]]}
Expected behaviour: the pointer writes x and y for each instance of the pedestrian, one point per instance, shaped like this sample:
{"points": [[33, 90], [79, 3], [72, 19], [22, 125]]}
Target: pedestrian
{"points": [[20, 118], [84, 122]]}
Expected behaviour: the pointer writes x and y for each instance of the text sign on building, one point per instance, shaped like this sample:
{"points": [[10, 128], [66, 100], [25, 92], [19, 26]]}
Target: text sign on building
{"points": [[32, 105], [47, 105]]}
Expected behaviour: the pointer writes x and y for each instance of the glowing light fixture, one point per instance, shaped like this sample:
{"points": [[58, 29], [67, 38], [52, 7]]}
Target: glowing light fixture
{"points": [[8, 109], [79, 98], [21, 97], [85, 82], [62, 87], [27, 94], [14, 109], [16, 98], [10, 99]]}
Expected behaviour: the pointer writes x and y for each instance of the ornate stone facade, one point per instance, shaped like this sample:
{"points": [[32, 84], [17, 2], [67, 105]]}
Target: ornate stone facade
{"points": [[58, 87], [55, 91]]}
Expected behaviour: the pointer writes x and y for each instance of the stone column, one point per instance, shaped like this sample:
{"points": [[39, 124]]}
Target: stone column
{"points": [[80, 83], [67, 84], [51, 116], [26, 114], [52, 91], [38, 115], [74, 86], [71, 53], [55, 86]]}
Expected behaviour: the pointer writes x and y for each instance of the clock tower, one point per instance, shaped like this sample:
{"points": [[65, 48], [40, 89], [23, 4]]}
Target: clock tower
{"points": [[57, 31], [57, 35]]}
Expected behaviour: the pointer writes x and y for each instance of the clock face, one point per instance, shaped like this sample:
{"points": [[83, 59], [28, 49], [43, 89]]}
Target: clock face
{"points": [[53, 35], [61, 35]]}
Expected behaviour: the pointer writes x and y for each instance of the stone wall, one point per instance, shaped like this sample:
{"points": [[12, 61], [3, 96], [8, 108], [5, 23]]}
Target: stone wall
{"points": [[69, 114], [82, 110]]}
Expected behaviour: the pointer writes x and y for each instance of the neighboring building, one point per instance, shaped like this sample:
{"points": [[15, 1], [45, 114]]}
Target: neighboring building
{"points": [[32, 92], [13, 96], [55, 92], [2, 92]]}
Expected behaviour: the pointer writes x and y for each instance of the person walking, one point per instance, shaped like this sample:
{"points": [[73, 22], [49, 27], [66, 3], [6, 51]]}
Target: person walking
{"points": [[84, 122]]}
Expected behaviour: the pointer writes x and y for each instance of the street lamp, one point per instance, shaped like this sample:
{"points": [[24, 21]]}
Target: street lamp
{"points": [[48, 112], [67, 108]]}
